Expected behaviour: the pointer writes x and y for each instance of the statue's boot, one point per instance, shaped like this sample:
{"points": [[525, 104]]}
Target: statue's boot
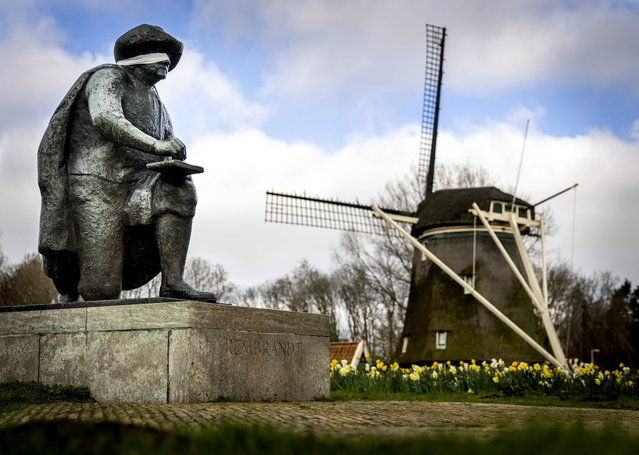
{"points": [[186, 291], [62, 268], [173, 236]]}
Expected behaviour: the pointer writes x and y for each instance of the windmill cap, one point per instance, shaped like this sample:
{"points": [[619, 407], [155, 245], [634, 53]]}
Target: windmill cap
{"points": [[146, 39], [450, 207]]}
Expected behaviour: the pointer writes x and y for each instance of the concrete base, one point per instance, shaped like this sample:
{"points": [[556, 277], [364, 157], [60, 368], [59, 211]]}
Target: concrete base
{"points": [[168, 352]]}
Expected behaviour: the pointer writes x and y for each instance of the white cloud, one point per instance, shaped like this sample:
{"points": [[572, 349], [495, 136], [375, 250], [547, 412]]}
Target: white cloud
{"points": [[321, 49], [635, 130], [239, 167], [604, 167], [541, 42], [368, 49], [33, 79], [200, 98], [229, 226], [36, 73], [20, 201]]}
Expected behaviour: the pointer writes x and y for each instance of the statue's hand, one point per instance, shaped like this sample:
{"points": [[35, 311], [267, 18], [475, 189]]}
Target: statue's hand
{"points": [[173, 147]]}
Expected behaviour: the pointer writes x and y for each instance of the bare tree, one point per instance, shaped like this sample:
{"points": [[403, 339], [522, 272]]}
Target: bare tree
{"points": [[249, 297], [147, 290], [208, 276], [356, 302], [3, 260], [3, 271], [25, 284], [201, 273], [591, 312], [305, 289], [462, 176]]}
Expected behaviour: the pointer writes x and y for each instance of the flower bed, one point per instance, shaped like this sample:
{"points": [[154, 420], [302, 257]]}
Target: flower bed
{"points": [[518, 378]]}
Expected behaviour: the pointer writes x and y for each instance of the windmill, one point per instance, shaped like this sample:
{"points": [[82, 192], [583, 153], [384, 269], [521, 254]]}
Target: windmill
{"points": [[468, 298]]}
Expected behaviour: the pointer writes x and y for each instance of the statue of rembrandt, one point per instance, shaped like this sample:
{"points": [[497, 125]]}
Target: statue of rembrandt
{"points": [[108, 221]]}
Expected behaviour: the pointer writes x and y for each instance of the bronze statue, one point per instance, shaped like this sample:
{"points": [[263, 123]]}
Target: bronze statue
{"points": [[117, 201]]}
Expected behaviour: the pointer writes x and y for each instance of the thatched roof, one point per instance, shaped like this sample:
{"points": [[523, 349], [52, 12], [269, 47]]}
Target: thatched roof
{"points": [[450, 207]]}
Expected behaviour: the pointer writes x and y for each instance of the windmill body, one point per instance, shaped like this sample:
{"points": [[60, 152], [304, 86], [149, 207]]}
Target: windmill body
{"points": [[445, 318], [442, 321]]}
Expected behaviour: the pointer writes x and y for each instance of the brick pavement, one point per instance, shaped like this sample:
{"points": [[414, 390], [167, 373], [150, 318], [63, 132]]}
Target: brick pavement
{"points": [[391, 418]]}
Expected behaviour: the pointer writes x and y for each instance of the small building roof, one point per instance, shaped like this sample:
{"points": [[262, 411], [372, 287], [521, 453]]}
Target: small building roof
{"points": [[343, 350]]}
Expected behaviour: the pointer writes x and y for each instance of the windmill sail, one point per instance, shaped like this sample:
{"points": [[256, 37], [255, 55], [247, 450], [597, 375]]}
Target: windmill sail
{"points": [[329, 214], [435, 38], [345, 216]]}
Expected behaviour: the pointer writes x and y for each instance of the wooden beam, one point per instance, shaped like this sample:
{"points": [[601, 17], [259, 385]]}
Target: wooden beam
{"points": [[532, 280], [489, 306]]}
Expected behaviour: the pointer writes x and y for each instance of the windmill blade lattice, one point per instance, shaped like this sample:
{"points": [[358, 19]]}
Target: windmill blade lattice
{"points": [[435, 38], [326, 213]]}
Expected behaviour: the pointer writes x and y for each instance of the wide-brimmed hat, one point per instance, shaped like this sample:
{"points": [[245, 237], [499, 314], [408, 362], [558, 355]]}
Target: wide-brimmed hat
{"points": [[146, 39]]}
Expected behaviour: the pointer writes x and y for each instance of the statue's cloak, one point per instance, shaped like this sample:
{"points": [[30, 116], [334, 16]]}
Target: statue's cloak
{"points": [[57, 242]]}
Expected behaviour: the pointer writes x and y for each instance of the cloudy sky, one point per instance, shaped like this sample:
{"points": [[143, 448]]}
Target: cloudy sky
{"points": [[324, 96]]}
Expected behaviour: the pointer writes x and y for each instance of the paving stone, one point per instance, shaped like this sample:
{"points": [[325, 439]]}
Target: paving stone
{"points": [[354, 418]]}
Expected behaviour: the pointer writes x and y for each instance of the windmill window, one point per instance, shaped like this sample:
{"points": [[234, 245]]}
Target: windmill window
{"points": [[440, 340], [502, 207]]}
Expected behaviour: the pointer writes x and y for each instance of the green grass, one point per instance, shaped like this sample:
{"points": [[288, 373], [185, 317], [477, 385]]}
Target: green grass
{"points": [[14, 394], [69, 438], [494, 398]]}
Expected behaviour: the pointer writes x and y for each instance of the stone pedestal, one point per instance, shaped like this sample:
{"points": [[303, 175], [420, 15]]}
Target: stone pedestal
{"points": [[167, 351]]}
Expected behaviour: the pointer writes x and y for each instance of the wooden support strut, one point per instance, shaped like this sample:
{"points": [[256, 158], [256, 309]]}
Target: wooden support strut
{"points": [[535, 295], [476, 211], [532, 280], [489, 306], [544, 269]]}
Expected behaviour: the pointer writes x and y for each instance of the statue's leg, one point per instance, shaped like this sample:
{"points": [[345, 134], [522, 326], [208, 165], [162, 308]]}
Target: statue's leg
{"points": [[99, 228], [173, 235], [174, 206], [101, 261]]}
